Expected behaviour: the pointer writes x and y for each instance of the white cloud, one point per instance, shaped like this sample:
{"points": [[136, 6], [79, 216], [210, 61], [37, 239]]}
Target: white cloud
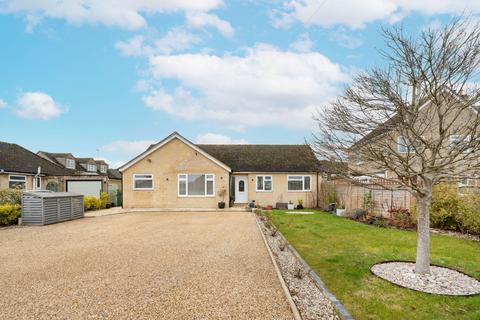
{"points": [[356, 14], [264, 86], [302, 44], [3, 104], [31, 21], [346, 39], [175, 40], [127, 14], [127, 148], [202, 19], [215, 138], [37, 105]]}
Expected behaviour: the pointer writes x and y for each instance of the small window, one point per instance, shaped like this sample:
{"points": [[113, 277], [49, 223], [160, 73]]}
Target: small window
{"points": [[196, 185], [103, 168], [70, 164], [17, 182], [402, 145], [143, 182], [91, 168], [37, 183], [299, 183], [264, 183], [241, 186], [460, 142]]}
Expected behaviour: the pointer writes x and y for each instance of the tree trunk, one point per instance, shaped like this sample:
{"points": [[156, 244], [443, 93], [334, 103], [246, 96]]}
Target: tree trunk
{"points": [[422, 263]]}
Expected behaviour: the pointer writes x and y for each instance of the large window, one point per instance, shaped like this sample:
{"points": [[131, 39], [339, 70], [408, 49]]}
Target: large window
{"points": [[196, 185], [91, 168], [17, 182], [264, 183], [299, 183], [143, 182], [70, 164], [103, 168]]}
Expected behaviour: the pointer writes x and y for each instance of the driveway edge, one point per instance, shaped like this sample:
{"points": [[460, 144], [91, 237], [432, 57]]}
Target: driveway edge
{"points": [[293, 307], [342, 311]]}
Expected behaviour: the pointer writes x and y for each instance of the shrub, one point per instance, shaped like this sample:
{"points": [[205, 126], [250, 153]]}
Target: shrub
{"points": [[468, 218], [357, 214], [103, 200], [91, 203], [10, 196], [445, 205], [368, 202], [401, 218], [9, 213]]}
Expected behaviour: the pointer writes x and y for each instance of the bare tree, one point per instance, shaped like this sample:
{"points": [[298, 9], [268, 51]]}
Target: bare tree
{"points": [[416, 116]]}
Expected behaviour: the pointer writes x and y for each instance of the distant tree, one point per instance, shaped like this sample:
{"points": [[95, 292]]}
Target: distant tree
{"points": [[415, 115]]}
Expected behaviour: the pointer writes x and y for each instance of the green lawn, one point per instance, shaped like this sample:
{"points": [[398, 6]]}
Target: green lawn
{"points": [[341, 251]]}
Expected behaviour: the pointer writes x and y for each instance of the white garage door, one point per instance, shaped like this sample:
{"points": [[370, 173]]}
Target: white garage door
{"points": [[86, 188]]}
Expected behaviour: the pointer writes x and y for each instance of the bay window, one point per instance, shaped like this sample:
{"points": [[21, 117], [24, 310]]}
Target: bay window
{"points": [[196, 185], [299, 183]]}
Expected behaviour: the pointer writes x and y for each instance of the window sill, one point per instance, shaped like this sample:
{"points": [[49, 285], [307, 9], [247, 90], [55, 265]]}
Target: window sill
{"points": [[200, 196]]}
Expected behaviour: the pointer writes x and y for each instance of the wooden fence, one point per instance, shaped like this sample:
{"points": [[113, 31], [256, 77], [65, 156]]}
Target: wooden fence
{"points": [[353, 195]]}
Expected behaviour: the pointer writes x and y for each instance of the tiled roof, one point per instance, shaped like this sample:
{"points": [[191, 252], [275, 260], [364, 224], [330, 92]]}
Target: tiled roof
{"points": [[264, 158], [14, 158]]}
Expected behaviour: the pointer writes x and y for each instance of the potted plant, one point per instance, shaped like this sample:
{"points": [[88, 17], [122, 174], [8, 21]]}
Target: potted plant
{"points": [[341, 208], [290, 205], [222, 193], [300, 204]]}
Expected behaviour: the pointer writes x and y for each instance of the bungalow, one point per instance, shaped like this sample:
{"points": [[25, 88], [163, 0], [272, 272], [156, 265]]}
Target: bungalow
{"points": [[176, 173]]}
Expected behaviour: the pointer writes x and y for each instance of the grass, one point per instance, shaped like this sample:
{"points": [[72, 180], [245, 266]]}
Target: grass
{"points": [[341, 251]]}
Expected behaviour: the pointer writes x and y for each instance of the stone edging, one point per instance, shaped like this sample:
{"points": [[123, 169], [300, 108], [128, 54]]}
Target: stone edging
{"points": [[293, 307], [431, 264], [341, 310]]}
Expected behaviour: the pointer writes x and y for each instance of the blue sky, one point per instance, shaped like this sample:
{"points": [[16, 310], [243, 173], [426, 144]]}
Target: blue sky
{"points": [[107, 78]]}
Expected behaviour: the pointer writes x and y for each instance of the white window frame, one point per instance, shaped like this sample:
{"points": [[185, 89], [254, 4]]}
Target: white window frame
{"points": [[263, 185], [17, 175], [135, 178], [455, 138], [91, 166], [186, 195], [404, 144], [290, 178], [34, 181], [103, 168], [70, 164]]}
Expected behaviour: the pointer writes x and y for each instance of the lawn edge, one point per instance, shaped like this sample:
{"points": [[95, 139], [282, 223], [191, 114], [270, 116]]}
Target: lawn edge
{"points": [[293, 306], [341, 310]]}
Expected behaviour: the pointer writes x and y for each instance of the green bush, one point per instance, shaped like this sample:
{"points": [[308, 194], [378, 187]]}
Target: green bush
{"points": [[91, 203], [445, 206], [103, 200], [468, 218], [10, 196], [9, 214]]}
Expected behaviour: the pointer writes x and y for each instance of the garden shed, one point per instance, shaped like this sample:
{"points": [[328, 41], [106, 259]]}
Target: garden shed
{"points": [[44, 207]]}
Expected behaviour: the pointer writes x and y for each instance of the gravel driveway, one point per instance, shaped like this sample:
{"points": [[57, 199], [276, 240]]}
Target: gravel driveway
{"points": [[195, 265]]}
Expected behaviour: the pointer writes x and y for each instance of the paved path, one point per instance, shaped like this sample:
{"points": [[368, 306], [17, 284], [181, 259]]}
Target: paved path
{"points": [[204, 265]]}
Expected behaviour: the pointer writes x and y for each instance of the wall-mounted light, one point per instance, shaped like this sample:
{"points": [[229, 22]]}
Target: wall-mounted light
{"points": [[167, 179], [149, 160]]}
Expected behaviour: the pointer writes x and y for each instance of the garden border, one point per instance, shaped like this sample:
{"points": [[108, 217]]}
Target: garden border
{"points": [[340, 308], [433, 294], [293, 306]]}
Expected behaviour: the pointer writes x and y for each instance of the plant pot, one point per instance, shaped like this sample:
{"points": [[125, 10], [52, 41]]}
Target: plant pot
{"points": [[290, 206], [221, 205], [341, 212]]}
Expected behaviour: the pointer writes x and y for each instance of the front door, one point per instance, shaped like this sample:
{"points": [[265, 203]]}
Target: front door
{"points": [[241, 189]]}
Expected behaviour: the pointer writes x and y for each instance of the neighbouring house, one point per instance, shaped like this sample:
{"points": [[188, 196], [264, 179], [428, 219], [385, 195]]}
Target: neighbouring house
{"points": [[21, 168], [86, 176], [176, 173]]}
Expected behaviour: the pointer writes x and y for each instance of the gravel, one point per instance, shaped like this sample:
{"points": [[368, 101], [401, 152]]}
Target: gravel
{"points": [[206, 265], [309, 299], [439, 281]]}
